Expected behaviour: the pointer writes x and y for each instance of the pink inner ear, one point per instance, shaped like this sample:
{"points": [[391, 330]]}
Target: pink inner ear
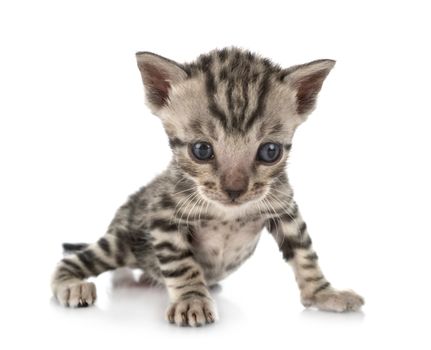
{"points": [[157, 84], [308, 88]]}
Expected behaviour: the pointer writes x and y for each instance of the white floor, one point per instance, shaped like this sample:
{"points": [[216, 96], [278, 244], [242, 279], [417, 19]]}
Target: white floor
{"points": [[258, 306]]}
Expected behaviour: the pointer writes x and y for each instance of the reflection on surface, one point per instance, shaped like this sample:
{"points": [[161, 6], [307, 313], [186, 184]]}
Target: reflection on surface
{"points": [[344, 317]]}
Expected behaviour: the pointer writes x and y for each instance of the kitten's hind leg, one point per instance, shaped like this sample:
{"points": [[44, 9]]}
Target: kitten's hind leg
{"points": [[69, 283]]}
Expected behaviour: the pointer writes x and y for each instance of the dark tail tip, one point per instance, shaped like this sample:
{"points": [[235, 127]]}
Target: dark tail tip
{"points": [[74, 247]]}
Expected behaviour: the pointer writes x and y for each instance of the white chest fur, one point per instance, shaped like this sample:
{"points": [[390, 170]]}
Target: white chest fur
{"points": [[222, 246]]}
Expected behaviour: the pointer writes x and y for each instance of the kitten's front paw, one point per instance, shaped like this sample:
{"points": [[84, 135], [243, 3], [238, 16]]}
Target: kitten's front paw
{"points": [[78, 294], [194, 312], [335, 300]]}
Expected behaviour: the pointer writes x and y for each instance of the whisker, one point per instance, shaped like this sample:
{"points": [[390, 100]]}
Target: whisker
{"points": [[191, 210], [258, 206], [200, 211], [283, 205], [183, 201], [288, 195], [286, 212], [190, 201], [276, 226], [186, 190]]}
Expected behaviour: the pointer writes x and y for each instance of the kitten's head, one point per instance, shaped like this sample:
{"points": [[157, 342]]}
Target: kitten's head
{"points": [[230, 117]]}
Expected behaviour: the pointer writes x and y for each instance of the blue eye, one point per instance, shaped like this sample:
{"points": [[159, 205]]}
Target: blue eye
{"points": [[269, 152], [202, 151]]}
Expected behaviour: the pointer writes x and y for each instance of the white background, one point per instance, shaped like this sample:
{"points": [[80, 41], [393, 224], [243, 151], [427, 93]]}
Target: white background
{"points": [[76, 139]]}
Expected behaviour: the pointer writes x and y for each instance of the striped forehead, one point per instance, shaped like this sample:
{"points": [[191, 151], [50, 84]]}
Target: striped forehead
{"points": [[236, 85]]}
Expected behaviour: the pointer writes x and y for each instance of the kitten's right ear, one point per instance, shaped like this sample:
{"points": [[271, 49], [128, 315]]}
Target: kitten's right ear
{"points": [[307, 80], [158, 74]]}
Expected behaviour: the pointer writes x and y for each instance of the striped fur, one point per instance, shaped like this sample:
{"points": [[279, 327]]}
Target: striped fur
{"points": [[184, 229]]}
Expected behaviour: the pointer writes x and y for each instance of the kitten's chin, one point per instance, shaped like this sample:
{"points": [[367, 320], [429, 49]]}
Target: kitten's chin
{"points": [[233, 207]]}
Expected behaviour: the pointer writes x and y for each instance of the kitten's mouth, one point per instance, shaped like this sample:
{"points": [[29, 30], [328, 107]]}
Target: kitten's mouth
{"points": [[233, 203], [229, 202]]}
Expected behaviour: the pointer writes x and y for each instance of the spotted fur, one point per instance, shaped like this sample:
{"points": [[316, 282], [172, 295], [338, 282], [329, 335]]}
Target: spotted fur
{"points": [[185, 229]]}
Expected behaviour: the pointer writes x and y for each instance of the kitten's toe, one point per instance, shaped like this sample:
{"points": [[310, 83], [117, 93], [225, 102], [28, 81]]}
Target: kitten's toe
{"points": [[80, 294], [335, 300], [194, 312]]}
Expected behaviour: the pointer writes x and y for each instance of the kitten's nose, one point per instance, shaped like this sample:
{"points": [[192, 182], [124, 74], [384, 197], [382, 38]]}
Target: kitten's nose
{"points": [[234, 182], [234, 194]]}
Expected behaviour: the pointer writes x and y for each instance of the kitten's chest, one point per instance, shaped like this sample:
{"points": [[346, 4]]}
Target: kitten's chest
{"points": [[222, 246]]}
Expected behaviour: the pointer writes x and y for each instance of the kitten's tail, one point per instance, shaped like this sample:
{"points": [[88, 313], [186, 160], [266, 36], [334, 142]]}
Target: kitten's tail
{"points": [[69, 248]]}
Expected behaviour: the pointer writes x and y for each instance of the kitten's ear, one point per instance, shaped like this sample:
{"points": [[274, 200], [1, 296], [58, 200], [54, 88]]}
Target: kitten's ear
{"points": [[307, 80], [158, 74]]}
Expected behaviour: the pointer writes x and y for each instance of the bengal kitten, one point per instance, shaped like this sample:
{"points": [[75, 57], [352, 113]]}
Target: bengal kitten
{"points": [[230, 117]]}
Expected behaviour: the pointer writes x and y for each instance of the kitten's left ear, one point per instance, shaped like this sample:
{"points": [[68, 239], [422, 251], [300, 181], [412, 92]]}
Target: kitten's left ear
{"points": [[307, 80], [158, 74]]}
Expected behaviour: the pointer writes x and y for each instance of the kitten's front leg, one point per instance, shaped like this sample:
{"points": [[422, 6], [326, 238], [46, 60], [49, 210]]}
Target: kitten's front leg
{"points": [[191, 302], [290, 232]]}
